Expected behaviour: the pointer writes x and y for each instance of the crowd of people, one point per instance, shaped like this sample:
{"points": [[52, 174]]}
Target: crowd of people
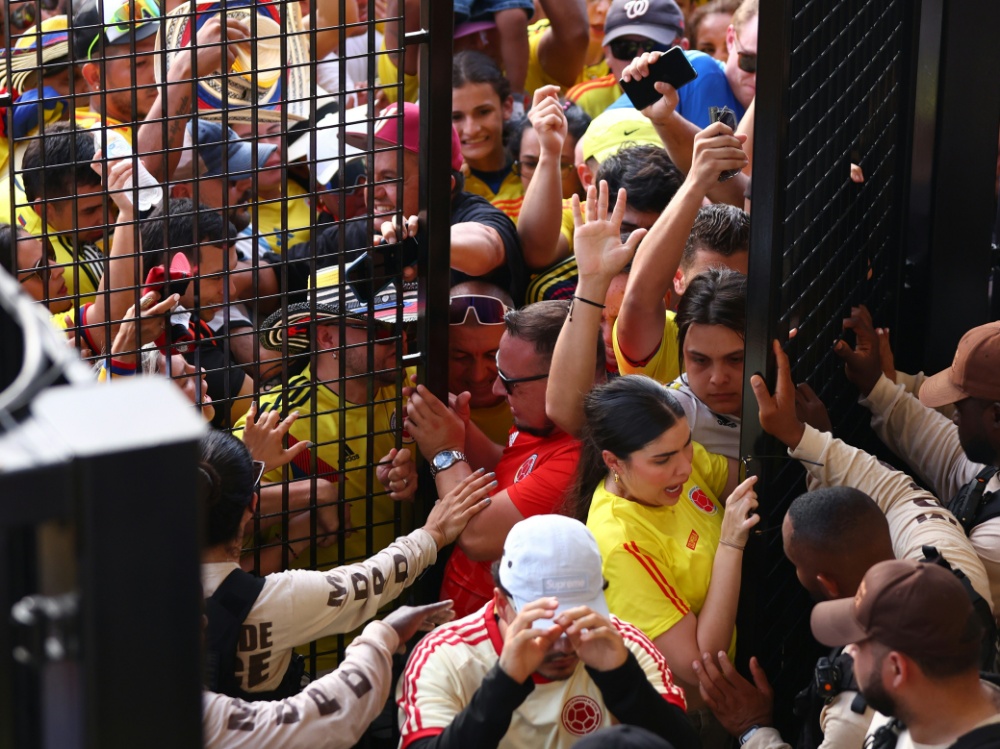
{"points": [[228, 195]]}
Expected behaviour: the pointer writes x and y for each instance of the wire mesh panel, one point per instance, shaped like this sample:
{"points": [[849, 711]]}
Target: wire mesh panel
{"points": [[833, 97], [218, 192]]}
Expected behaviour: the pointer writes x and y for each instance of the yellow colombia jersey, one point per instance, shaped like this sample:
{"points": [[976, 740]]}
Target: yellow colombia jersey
{"points": [[294, 206], [508, 197], [86, 118], [663, 366], [557, 281], [324, 413], [537, 77], [593, 97], [658, 560], [81, 277]]}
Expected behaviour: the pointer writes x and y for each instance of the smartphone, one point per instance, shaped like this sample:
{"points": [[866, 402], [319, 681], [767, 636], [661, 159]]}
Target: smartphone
{"points": [[380, 266], [726, 116], [672, 67]]}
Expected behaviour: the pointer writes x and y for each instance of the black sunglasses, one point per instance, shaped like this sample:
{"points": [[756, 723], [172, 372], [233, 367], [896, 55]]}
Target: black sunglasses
{"points": [[510, 382], [40, 265], [629, 49], [746, 61]]}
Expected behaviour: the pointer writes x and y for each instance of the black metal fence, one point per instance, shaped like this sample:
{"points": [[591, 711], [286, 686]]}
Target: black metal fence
{"points": [[296, 215], [834, 89]]}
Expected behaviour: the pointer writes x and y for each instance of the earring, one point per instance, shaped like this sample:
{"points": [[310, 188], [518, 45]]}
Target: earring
{"points": [[615, 475], [334, 354]]}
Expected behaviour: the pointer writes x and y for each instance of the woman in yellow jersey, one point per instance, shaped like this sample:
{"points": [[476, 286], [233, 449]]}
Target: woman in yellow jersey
{"points": [[481, 105], [672, 551]]}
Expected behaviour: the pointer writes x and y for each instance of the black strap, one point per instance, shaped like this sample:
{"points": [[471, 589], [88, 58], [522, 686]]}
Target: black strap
{"points": [[985, 737], [227, 608], [973, 504]]}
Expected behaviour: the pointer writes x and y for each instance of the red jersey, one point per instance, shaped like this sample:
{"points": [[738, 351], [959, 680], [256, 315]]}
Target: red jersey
{"points": [[535, 472]]}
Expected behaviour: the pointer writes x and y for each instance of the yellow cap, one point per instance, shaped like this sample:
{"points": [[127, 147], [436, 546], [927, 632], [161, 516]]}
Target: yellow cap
{"points": [[616, 128]]}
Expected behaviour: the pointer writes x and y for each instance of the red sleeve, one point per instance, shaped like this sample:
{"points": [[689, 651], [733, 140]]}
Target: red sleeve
{"points": [[541, 491]]}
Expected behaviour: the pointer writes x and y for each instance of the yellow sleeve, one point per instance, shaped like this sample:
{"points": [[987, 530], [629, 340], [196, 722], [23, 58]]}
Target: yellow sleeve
{"points": [[388, 75], [664, 365], [713, 469], [568, 227]]}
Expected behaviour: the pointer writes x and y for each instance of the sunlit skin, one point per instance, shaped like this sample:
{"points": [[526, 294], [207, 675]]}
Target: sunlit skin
{"points": [[706, 260], [118, 85], [655, 474], [29, 252], [531, 151], [386, 189], [713, 360], [518, 358], [743, 84], [561, 660], [712, 36], [478, 115], [612, 308], [82, 213], [472, 365], [214, 286], [192, 383], [597, 11]]}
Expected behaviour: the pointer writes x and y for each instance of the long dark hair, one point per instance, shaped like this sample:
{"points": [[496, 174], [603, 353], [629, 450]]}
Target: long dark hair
{"points": [[470, 66], [225, 486], [622, 416]]}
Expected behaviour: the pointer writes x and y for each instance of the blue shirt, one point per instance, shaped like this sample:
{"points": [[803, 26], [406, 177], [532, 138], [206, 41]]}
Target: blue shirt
{"points": [[709, 89]]}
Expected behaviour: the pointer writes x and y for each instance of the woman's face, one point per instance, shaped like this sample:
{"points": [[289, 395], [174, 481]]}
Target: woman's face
{"points": [[712, 35], [713, 360], [43, 282], [478, 115], [655, 474], [528, 158], [192, 383]]}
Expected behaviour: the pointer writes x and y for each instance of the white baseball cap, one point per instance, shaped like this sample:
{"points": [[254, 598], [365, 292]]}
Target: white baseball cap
{"points": [[553, 555]]}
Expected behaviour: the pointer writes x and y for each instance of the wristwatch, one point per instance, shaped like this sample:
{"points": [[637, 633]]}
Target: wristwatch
{"points": [[445, 460], [745, 736]]}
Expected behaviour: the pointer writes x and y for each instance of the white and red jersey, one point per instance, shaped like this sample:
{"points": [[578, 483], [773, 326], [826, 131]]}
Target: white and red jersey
{"points": [[448, 665]]}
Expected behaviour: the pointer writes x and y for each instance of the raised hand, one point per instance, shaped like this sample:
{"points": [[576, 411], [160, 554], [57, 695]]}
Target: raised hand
{"points": [[777, 412], [863, 363], [434, 426], [595, 639], [717, 149], [739, 516], [408, 620], [548, 120], [810, 409], [524, 647], [263, 437], [450, 514], [736, 702], [398, 473], [600, 253], [660, 110], [152, 322]]}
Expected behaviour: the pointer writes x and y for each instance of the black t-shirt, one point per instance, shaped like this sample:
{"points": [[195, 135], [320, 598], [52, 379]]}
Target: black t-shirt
{"points": [[465, 208]]}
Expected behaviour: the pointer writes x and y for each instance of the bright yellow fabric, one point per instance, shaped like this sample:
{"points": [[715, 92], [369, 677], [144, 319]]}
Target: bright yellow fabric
{"points": [[494, 421], [658, 560], [593, 97], [388, 74], [537, 77], [663, 366], [295, 208]]}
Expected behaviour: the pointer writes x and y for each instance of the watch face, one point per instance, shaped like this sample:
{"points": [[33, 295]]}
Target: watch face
{"points": [[443, 460]]}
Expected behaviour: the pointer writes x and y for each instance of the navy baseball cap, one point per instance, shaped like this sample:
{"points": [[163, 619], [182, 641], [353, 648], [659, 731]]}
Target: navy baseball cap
{"points": [[236, 161]]}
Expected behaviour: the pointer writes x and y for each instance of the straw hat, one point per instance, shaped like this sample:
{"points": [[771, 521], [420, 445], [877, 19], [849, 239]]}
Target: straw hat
{"points": [[262, 78], [294, 322], [35, 50]]}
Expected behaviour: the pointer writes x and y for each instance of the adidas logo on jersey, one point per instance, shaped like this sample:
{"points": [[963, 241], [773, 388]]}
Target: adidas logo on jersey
{"points": [[349, 454]]}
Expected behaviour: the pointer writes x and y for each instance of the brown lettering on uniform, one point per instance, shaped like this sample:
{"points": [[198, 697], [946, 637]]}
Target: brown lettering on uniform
{"points": [[378, 581], [924, 502], [258, 668], [338, 594], [326, 705], [243, 716], [402, 570], [265, 635], [356, 680], [287, 714], [360, 586], [248, 638]]}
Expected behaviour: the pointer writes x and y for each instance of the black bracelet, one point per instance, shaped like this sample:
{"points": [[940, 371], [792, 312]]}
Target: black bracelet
{"points": [[587, 301]]}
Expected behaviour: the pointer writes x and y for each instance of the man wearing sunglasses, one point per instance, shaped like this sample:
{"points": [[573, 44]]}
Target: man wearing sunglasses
{"points": [[630, 28], [534, 467], [476, 315]]}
